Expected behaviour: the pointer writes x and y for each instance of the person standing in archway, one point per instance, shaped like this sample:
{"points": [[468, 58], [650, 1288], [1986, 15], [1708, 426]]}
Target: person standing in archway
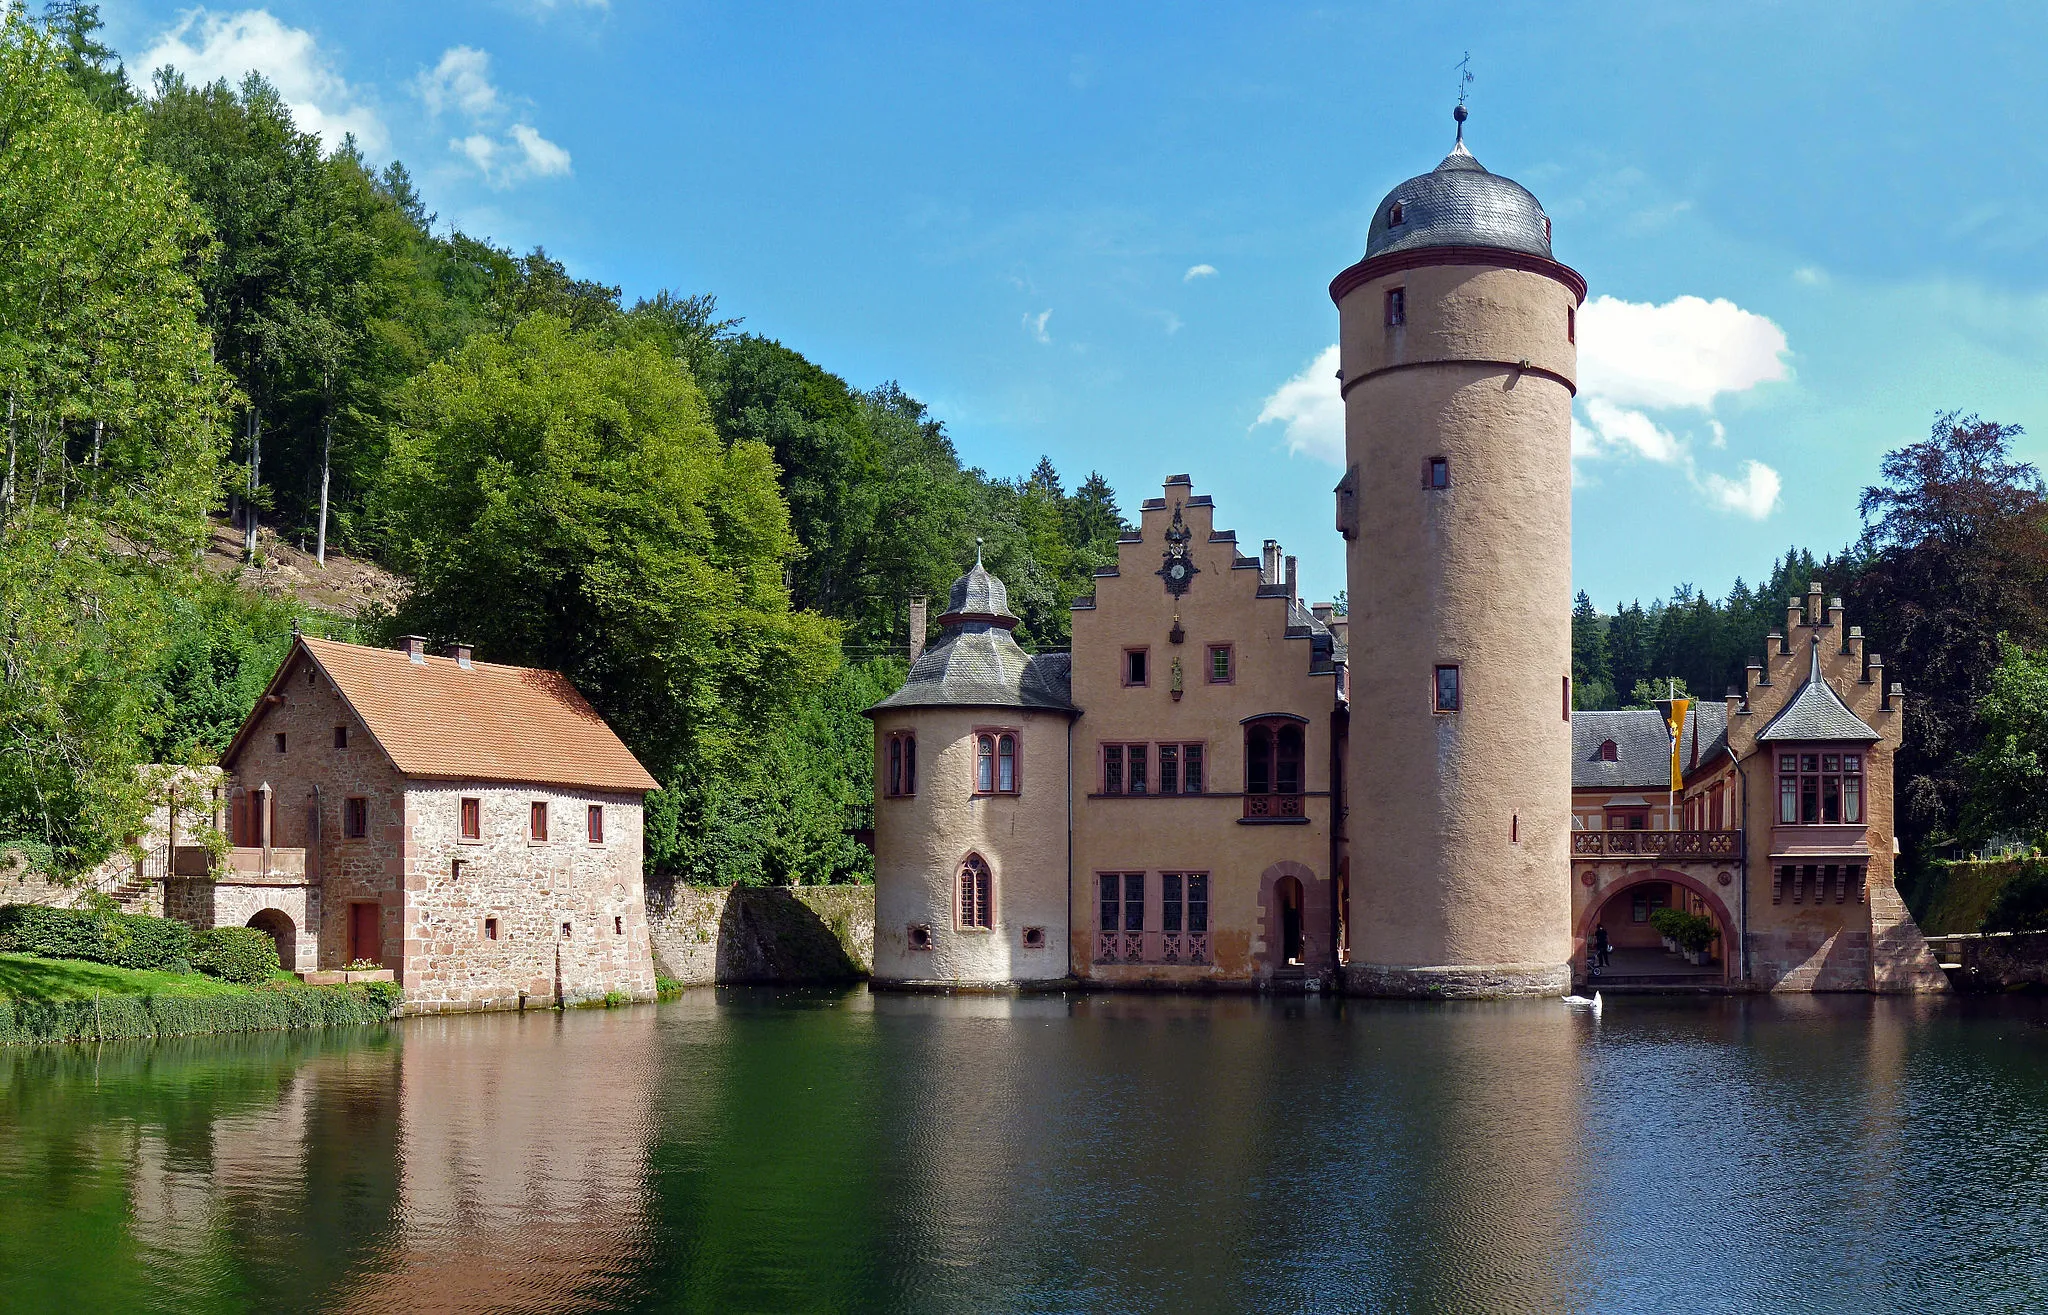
{"points": [[1601, 946]]}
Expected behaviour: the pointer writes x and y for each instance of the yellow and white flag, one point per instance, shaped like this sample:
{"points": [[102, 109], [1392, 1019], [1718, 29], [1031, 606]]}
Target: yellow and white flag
{"points": [[1678, 711]]}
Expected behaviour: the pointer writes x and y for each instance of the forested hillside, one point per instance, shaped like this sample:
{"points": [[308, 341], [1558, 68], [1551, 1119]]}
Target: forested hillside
{"points": [[205, 314]]}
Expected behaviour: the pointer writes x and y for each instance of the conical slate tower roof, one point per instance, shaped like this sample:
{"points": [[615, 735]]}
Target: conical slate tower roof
{"points": [[1816, 712], [1459, 204], [976, 662]]}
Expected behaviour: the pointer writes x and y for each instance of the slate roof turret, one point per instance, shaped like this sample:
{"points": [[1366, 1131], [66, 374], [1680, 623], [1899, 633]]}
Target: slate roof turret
{"points": [[977, 663]]}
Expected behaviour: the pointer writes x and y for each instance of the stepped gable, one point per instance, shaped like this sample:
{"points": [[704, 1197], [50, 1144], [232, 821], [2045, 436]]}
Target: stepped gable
{"points": [[1816, 712], [440, 717]]}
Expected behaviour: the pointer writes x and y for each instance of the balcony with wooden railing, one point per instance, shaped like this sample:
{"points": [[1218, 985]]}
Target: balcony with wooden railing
{"points": [[1657, 844]]}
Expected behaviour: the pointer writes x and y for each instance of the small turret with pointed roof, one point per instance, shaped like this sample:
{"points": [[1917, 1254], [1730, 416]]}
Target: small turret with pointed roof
{"points": [[976, 661]]}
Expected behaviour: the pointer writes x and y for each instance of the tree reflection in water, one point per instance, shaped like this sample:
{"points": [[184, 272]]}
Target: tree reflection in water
{"points": [[790, 1150]]}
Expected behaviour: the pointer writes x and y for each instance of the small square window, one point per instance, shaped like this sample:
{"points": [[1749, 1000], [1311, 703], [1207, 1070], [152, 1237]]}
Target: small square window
{"points": [[280, 741], [1436, 473], [355, 818], [472, 819], [1447, 692], [1397, 307], [920, 936], [341, 737], [594, 823], [455, 869], [1034, 938], [1136, 671], [567, 931], [490, 929], [1219, 664]]}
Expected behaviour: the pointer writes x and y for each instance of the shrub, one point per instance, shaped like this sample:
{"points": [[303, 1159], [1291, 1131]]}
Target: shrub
{"points": [[668, 988], [145, 1017], [98, 935], [236, 954]]}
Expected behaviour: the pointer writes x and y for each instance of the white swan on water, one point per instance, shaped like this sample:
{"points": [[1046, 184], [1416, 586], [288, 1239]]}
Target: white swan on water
{"points": [[1581, 1002]]}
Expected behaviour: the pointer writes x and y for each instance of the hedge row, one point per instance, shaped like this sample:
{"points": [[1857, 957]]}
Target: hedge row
{"points": [[148, 1017], [236, 954], [98, 935]]}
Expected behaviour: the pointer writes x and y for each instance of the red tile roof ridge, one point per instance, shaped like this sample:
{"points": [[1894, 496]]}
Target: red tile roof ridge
{"points": [[487, 722]]}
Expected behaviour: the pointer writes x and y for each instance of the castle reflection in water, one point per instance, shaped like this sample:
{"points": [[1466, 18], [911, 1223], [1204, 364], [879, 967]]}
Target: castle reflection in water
{"points": [[767, 1150]]}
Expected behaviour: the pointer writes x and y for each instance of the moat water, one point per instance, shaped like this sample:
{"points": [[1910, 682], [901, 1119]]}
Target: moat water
{"points": [[760, 1150]]}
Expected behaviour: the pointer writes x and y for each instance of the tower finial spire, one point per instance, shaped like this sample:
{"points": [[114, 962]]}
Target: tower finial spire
{"points": [[977, 551], [1464, 67]]}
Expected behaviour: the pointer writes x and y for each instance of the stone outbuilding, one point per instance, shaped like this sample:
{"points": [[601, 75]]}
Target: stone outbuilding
{"points": [[475, 828]]}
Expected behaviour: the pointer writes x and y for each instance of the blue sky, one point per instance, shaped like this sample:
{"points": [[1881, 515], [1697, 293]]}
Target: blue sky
{"points": [[1806, 228]]}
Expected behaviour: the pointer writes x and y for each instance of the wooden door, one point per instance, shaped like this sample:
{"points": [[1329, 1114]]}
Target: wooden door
{"points": [[365, 933]]}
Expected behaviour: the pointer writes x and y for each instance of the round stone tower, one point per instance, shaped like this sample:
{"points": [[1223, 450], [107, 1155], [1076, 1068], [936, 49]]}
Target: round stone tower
{"points": [[1459, 368], [971, 791]]}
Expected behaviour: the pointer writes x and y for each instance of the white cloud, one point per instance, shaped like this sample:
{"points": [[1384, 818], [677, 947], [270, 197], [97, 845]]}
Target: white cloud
{"points": [[205, 46], [463, 80], [541, 157], [1812, 276], [1171, 321], [1198, 272], [1638, 357], [1755, 495], [461, 83], [1311, 407], [1685, 352], [1632, 431], [1036, 324], [1622, 430]]}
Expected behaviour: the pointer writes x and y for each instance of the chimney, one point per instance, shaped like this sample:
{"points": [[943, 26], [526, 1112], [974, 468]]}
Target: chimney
{"points": [[415, 649], [1323, 612], [1852, 642], [1269, 566], [918, 608], [461, 654], [1792, 617], [1291, 576], [1813, 603], [1835, 613], [1876, 677]]}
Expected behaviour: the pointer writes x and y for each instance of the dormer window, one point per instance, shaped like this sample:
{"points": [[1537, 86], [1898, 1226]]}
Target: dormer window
{"points": [[1608, 753], [1546, 228], [1395, 215]]}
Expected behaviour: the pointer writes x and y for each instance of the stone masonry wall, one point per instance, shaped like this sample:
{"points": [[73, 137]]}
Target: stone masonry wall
{"points": [[704, 935], [571, 920]]}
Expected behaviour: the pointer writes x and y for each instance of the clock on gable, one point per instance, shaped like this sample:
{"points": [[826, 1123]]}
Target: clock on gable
{"points": [[1179, 570]]}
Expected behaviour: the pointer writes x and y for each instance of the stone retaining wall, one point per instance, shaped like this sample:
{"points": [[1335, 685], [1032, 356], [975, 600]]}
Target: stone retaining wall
{"points": [[1996, 961], [705, 935]]}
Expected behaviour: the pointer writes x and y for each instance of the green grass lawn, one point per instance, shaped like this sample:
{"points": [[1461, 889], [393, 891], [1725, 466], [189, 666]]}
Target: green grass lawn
{"points": [[26, 977]]}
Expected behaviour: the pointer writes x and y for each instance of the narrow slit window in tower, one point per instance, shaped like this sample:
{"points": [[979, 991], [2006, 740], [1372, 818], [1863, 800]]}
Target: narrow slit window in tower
{"points": [[1397, 306]]}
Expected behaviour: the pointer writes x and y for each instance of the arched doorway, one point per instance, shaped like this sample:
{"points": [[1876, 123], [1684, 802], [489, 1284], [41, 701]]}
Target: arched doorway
{"points": [[278, 926], [1638, 954], [1287, 893]]}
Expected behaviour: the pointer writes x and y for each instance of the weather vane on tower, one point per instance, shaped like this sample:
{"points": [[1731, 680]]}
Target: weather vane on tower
{"points": [[1464, 67]]}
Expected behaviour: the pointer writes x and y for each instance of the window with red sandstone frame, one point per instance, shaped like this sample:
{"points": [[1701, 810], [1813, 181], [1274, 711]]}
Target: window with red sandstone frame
{"points": [[472, 819], [1124, 768], [901, 775], [537, 820], [977, 895], [995, 762], [1180, 768], [594, 823], [355, 818], [1820, 788], [1220, 671]]}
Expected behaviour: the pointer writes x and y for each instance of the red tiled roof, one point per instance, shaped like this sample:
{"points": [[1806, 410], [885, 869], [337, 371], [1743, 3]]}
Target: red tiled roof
{"points": [[485, 722]]}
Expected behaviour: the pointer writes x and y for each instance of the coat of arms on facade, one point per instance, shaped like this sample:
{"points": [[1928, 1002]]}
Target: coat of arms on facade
{"points": [[1179, 570]]}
